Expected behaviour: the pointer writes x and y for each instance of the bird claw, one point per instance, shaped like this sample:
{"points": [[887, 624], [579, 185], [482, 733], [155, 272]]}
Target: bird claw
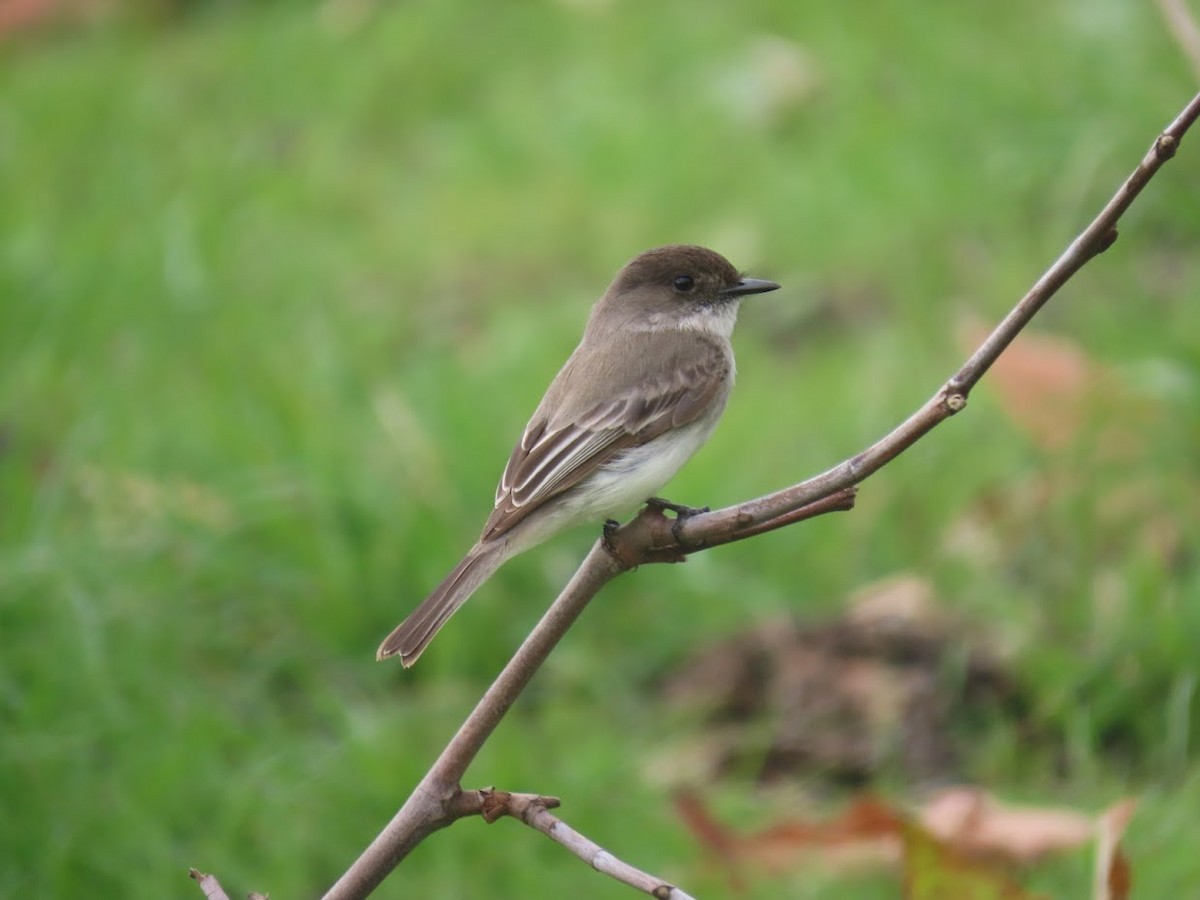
{"points": [[678, 508], [682, 514], [610, 528]]}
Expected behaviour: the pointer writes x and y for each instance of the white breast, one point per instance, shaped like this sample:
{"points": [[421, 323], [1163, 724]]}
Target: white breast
{"points": [[638, 473]]}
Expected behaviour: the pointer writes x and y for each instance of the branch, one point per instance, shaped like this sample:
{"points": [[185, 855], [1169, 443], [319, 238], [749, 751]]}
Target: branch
{"points": [[652, 537], [209, 884], [432, 804], [952, 396], [212, 888], [534, 811]]}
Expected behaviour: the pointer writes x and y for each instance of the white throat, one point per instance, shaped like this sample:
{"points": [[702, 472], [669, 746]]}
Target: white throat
{"points": [[717, 319]]}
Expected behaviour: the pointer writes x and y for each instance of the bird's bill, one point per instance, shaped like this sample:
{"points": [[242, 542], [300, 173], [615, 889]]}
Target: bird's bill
{"points": [[749, 286]]}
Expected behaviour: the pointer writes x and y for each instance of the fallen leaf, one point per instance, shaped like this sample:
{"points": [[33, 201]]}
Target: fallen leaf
{"points": [[974, 821], [19, 16], [866, 833], [881, 687], [935, 870], [1114, 878], [1053, 392], [963, 842]]}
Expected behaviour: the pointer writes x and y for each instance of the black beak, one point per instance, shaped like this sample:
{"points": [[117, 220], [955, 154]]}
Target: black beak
{"points": [[749, 286]]}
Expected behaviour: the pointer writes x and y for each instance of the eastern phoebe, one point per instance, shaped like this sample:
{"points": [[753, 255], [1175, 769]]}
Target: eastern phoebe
{"points": [[641, 393]]}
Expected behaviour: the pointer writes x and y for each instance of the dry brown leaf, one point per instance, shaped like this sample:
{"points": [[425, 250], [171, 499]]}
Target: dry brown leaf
{"points": [[1044, 384], [969, 822], [903, 599], [934, 870], [867, 832], [1114, 878], [974, 821], [18, 16], [1053, 392], [842, 699]]}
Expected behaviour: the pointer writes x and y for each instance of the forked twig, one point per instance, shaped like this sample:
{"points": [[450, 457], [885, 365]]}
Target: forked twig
{"points": [[652, 537], [649, 537]]}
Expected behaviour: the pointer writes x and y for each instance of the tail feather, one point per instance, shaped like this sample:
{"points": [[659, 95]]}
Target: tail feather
{"points": [[412, 636]]}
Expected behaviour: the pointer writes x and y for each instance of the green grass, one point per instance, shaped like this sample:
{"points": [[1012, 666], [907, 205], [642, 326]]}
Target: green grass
{"points": [[278, 288]]}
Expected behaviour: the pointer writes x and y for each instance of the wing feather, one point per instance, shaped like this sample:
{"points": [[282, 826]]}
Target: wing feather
{"points": [[548, 461]]}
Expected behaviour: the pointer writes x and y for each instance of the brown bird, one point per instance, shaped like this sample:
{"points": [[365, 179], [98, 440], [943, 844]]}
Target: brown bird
{"points": [[641, 393]]}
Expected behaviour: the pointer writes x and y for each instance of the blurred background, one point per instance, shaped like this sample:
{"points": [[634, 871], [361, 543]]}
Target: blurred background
{"points": [[280, 284]]}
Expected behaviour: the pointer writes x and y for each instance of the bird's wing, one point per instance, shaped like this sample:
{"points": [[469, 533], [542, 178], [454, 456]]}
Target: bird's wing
{"points": [[556, 453]]}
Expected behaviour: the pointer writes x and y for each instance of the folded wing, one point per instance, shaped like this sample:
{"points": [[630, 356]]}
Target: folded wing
{"points": [[552, 458]]}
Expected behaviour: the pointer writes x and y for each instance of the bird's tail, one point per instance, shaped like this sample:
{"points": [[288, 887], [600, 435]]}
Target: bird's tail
{"points": [[413, 635]]}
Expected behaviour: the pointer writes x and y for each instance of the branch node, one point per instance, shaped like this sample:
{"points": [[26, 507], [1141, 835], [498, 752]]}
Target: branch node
{"points": [[956, 401], [619, 549], [650, 537], [1110, 238], [1165, 146], [493, 804]]}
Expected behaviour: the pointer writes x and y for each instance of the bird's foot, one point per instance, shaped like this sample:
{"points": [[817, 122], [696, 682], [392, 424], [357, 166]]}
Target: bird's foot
{"points": [[678, 508], [682, 514], [610, 528]]}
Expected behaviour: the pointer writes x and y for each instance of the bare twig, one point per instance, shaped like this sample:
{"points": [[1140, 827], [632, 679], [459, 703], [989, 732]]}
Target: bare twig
{"points": [[432, 803], [212, 888], [437, 800], [1111, 877], [651, 537], [209, 884], [534, 811]]}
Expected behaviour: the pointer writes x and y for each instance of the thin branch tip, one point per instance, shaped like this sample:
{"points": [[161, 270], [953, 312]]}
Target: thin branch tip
{"points": [[210, 886]]}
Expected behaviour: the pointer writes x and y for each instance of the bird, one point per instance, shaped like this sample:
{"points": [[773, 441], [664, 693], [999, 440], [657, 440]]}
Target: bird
{"points": [[640, 394]]}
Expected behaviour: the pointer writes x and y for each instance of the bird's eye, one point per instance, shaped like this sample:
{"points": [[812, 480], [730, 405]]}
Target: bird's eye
{"points": [[684, 284]]}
